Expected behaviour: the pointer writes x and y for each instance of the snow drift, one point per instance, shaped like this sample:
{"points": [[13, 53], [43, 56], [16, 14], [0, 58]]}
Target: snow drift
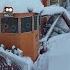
{"points": [[58, 55]]}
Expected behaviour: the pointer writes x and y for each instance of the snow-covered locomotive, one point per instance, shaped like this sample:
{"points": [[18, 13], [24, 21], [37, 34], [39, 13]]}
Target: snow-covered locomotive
{"points": [[19, 25]]}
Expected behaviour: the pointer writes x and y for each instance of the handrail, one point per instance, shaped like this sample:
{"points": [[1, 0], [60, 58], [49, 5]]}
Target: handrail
{"points": [[50, 30]]}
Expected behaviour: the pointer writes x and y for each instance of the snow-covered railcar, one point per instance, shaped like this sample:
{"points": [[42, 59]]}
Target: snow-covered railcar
{"points": [[19, 25]]}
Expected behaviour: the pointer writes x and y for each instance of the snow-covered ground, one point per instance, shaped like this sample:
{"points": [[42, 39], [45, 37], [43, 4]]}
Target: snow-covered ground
{"points": [[42, 62], [58, 55]]}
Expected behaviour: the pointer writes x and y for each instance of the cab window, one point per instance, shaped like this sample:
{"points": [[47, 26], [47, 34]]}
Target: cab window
{"points": [[26, 24], [9, 25]]}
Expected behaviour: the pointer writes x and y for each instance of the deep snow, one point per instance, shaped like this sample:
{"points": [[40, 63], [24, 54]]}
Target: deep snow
{"points": [[58, 55]]}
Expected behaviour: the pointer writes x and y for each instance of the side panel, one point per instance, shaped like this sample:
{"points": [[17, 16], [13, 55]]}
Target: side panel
{"points": [[27, 42], [9, 25]]}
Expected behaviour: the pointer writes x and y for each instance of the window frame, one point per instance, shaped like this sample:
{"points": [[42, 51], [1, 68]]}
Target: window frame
{"points": [[31, 24]]}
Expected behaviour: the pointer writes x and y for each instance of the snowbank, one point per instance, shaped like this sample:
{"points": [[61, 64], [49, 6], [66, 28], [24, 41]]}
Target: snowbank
{"points": [[22, 6], [59, 54], [42, 62], [60, 42]]}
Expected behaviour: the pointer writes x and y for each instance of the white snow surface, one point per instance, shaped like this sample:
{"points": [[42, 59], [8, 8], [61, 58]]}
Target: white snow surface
{"points": [[60, 44], [22, 6], [42, 62], [58, 55], [54, 9], [25, 62]]}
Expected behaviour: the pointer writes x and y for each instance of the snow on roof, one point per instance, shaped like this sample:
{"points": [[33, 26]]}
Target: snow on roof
{"points": [[22, 6], [53, 9]]}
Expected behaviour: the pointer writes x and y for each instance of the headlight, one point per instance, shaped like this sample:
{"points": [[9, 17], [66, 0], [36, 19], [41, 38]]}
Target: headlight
{"points": [[8, 9]]}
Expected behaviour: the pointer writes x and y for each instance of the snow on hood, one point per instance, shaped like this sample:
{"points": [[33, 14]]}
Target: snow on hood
{"points": [[22, 6], [60, 44]]}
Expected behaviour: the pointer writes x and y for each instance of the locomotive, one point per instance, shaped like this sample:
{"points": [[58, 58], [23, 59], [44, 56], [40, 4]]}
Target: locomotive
{"points": [[20, 28]]}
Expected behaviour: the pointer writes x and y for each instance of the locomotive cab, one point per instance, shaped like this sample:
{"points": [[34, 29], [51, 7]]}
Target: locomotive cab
{"points": [[21, 30]]}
